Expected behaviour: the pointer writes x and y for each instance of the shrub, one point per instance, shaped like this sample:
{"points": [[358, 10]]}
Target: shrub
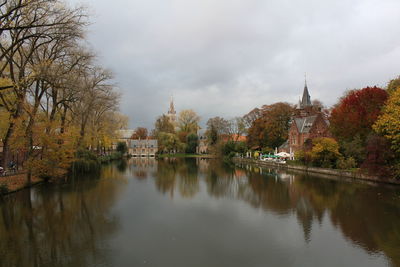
{"points": [[122, 148], [346, 164]]}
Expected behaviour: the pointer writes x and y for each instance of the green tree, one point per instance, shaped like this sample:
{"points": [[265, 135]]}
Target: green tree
{"points": [[192, 143], [168, 142], [122, 148]]}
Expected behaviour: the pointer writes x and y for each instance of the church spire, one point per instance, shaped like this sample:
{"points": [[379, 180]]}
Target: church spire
{"points": [[171, 106], [306, 100]]}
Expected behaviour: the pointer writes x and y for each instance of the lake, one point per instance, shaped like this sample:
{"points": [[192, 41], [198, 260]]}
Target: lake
{"points": [[198, 212]]}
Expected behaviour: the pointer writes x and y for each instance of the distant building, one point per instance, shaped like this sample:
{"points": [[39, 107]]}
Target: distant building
{"points": [[202, 148], [125, 135], [143, 148], [308, 122]]}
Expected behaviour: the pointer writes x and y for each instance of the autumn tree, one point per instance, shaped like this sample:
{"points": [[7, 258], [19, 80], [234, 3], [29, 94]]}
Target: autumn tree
{"points": [[250, 117], [188, 121], [53, 95], [271, 129], [393, 85], [216, 127], [163, 124], [356, 112], [27, 27], [140, 133], [236, 128], [388, 125]]}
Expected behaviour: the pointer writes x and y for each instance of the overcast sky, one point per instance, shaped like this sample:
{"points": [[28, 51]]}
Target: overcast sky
{"points": [[225, 57]]}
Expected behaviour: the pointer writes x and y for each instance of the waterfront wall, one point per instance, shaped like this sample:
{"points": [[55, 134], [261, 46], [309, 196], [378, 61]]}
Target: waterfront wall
{"points": [[332, 172]]}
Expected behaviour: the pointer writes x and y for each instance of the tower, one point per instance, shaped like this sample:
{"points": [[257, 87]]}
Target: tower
{"points": [[306, 100], [171, 112]]}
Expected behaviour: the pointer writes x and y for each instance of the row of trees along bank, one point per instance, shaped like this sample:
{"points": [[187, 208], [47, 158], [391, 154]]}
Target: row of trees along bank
{"points": [[364, 126], [54, 98]]}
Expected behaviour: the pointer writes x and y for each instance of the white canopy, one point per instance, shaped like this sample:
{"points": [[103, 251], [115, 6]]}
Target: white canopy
{"points": [[283, 155]]}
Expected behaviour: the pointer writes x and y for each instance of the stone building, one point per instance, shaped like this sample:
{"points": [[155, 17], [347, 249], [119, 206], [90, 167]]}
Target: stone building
{"points": [[202, 148], [308, 122], [143, 148]]}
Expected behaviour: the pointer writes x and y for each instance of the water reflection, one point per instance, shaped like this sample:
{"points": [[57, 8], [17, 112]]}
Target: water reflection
{"points": [[60, 225], [366, 214], [91, 221]]}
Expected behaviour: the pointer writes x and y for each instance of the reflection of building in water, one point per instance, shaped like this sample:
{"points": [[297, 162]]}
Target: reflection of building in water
{"points": [[141, 167], [203, 164], [143, 148]]}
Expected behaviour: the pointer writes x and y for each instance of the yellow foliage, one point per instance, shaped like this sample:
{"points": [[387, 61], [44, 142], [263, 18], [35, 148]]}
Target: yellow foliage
{"points": [[388, 124]]}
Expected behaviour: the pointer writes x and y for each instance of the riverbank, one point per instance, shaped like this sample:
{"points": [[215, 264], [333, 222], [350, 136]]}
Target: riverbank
{"points": [[182, 155], [13, 183], [331, 172]]}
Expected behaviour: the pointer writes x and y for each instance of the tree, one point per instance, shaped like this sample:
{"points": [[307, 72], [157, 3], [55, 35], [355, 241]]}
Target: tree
{"points": [[192, 143], [122, 148], [236, 128], [250, 117], [188, 121], [393, 85], [356, 112], [163, 124], [271, 129], [388, 124], [216, 127], [169, 142], [140, 133], [379, 156], [325, 152], [27, 28]]}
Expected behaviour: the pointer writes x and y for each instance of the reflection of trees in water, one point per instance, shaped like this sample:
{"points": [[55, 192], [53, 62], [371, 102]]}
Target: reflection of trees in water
{"points": [[61, 225], [182, 172], [366, 215]]}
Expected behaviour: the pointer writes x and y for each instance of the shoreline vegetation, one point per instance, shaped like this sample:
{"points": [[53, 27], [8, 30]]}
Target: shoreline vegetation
{"points": [[59, 108]]}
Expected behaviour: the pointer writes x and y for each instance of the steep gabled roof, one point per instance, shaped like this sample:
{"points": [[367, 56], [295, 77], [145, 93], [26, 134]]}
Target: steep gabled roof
{"points": [[305, 124]]}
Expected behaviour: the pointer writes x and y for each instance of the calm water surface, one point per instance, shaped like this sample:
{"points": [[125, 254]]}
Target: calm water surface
{"points": [[193, 212]]}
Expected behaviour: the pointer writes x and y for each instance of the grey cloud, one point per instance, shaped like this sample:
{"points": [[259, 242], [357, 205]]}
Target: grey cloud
{"points": [[226, 57]]}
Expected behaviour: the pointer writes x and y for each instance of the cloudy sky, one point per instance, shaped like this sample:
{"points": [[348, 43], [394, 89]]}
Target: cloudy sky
{"points": [[225, 57]]}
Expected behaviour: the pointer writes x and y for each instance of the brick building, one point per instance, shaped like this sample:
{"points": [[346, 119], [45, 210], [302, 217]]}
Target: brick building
{"points": [[308, 122]]}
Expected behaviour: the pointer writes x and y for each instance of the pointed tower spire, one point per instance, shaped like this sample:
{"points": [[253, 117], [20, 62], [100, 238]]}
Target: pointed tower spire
{"points": [[171, 106], [306, 100], [171, 112]]}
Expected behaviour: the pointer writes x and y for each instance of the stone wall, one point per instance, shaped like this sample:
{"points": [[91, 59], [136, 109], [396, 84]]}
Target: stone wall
{"points": [[331, 172]]}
